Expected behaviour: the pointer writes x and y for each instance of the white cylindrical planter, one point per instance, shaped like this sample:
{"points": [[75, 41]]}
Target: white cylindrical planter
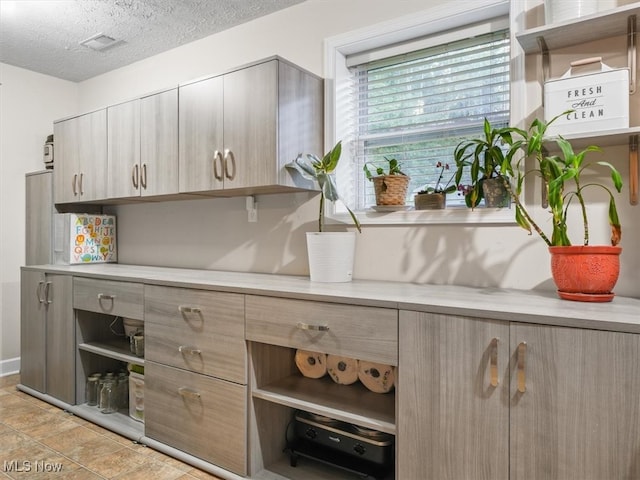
{"points": [[331, 256]]}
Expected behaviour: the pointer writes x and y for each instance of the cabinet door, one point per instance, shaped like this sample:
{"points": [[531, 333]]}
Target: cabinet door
{"points": [[32, 330], [453, 424], [92, 153], [579, 416], [123, 147], [250, 126], [38, 218], [66, 162], [60, 349], [201, 135], [159, 144]]}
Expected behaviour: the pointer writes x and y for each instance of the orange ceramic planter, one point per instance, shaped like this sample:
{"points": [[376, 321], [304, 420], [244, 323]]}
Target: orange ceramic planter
{"points": [[585, 273]]}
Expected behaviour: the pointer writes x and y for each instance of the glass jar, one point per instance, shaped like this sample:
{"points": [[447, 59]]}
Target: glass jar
{"points": [[108, 400], [91, 389], [123, 390]]}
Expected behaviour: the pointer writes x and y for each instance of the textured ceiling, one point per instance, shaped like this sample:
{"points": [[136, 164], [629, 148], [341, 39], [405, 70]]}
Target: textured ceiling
{"points": [[45, 35]]}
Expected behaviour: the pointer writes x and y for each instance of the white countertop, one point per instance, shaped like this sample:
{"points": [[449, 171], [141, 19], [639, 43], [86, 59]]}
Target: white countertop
{"points": [[531, 306]]}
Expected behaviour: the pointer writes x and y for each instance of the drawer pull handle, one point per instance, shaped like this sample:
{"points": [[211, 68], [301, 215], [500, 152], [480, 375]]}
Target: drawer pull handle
{"points": [[188, 393], [522, 377], [105, 296], [185, 309], [319, 328], [189, 350], [494, 362]]}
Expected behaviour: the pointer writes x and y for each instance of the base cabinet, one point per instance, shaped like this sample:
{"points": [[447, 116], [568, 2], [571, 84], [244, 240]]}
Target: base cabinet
{"points": [[47, 335], [505, 400], [200, 415]]}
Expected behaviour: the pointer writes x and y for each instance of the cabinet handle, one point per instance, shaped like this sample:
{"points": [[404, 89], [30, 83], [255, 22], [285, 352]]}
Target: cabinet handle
{"points": [[493, 362], [143, 177], [73, 184], [47, 289], [80, 184], [185, 309], [319, 328], [522, 378], [228, 154], [134, 176], [39, 291], [217, 157], [105, 296], [188, 393], [189, 350]]}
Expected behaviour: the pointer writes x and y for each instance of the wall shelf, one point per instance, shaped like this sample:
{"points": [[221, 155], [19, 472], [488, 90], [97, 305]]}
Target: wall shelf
{"points": [[116, 349], [607, 24]]}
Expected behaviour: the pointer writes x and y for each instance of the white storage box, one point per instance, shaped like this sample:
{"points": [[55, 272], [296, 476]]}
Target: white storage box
{"points": [[136, 396], [600, 100], [84, 238]]}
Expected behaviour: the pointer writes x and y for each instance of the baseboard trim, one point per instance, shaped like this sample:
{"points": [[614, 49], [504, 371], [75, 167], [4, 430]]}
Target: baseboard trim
{"points": [[9, 367]]}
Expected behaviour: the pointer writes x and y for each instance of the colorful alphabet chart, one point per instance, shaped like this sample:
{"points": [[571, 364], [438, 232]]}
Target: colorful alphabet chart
{"points": [[85, 238]]}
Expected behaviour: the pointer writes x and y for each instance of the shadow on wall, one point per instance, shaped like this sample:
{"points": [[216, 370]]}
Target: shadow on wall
{"points": [[215, 234]]}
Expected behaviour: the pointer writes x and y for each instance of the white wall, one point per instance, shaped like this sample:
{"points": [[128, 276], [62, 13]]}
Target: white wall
{"points": [[29, 102], [214, 234]]}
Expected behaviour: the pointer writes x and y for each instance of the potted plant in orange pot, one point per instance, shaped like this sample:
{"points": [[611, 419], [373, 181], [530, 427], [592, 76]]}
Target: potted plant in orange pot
{"points": [[581, 272]]}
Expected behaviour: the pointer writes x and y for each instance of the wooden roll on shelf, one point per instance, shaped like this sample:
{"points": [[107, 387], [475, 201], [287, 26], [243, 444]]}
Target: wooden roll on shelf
{"points": [[377, 377], [311, 364], [342, 370]]}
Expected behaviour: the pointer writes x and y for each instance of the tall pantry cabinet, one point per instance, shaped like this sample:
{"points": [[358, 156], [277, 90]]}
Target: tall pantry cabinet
{"points": [[39, 218]]}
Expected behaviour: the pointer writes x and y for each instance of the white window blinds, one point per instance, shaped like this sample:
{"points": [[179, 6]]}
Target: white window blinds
{"points": [[418, 106]]}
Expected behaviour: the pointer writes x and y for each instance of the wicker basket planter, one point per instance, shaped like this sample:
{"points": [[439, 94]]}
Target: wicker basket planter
{"points": [[391, 189]]}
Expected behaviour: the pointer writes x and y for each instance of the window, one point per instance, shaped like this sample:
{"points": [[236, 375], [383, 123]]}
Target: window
{"points": [[413, 88], [418, 106]]}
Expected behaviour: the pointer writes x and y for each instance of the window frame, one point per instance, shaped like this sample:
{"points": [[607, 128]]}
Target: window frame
{"points": [[431, 22]]}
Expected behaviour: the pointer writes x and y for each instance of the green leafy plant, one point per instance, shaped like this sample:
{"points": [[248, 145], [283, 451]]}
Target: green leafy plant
{"points": [[393, 168], [559, 173], [321, 171], [485, 158], [438, 187]]}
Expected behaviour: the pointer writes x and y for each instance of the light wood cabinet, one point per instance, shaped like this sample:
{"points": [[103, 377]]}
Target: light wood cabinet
{"points": [[39, 218], [47, 335], [238, 130], [540, 402], [201, 415], [275, 328], [579, 415], [80, 173], [143, 146], [196, 330]]}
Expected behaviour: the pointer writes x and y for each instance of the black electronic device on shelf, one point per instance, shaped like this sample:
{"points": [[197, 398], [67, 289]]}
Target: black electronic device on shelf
{"points": [[363, 451]]}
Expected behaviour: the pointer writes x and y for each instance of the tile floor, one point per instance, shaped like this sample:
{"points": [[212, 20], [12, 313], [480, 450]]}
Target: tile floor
{"points": [[38, 440]]}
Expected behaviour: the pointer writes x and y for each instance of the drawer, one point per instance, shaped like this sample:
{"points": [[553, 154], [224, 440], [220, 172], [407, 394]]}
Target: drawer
{"points": [[123, 299], [200, 415], [365, 333], [198, 330]]}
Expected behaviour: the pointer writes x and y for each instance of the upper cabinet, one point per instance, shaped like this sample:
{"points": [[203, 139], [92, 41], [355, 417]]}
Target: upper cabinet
{"points": [[143, 146], [238, 130], [81, 158]]}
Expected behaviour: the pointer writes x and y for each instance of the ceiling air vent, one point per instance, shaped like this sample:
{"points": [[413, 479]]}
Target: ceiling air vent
{"points": [[100, 42]]}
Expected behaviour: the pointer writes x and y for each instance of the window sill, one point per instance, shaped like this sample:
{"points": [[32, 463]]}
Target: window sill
{"points": [[447, 216]]}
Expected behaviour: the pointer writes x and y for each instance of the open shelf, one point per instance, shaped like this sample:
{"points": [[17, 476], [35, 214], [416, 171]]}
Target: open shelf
{"points": [[119, 422], [580, 30], [117, 349], [307, 469], [349, 403]]}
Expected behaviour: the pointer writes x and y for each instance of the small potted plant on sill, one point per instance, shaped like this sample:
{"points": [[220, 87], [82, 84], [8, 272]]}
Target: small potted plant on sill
{"points": [[489, 164], [435, 197], [581, 272], [390, 186], [331, 254]]}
